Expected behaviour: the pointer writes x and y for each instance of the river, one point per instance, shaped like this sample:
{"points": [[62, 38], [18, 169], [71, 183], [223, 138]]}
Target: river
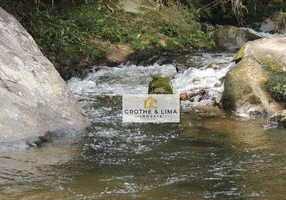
{"points": [[208, 155]]}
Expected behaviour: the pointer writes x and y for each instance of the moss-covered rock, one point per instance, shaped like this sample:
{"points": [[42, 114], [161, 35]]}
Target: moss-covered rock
{"points": [[240, 54], [271, 64], [257, 84], [245, 90], [232, 38], [160, 85], [269, 52]]}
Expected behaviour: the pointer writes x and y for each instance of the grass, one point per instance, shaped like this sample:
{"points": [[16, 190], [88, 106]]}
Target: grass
{"points": [[271, 64], [66, 34], [276, 86]]}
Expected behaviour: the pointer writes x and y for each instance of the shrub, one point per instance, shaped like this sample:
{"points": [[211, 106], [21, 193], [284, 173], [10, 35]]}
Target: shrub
{"points": [[277, 87]]}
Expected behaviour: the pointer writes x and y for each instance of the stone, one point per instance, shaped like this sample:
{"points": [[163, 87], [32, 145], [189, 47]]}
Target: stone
{"points": [[270, 52], [160, 85], [245, 92], [184, 96], [34, 98], [117, 53], [214, 65], [232, 38], [245, 84], [35, 141], [275, 23], [278, 120]]}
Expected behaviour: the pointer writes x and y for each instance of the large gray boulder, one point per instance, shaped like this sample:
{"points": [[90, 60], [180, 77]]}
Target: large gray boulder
{"points": [[246, 84], [269, 52], [276, 23], [33, 97], [232, 38]]}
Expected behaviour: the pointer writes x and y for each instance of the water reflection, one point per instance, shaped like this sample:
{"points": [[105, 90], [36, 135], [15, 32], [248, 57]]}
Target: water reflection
{"points": [[211, 157]]}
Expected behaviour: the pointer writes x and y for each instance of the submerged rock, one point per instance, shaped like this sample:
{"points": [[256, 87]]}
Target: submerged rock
{"points": [[36, 141], [206, 111], [34, 98], [276, 23], [214, 65], [184, 96], [232, 38], [160, 85], [63, 133], [277, 120], [245, 84]]}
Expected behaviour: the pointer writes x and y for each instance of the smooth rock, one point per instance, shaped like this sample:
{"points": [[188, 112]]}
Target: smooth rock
{"points": [[245, 84], [275, 23], [232, 38], [267, 51], [36, 141], [34, 98]]}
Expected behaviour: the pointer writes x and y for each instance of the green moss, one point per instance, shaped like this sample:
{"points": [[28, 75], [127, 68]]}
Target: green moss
{"points": [[250, 36], [271, 64], [228, 100], [240, 53], [233, 93], [236, 89], [160, 85], [225, 38], [276, 86]]}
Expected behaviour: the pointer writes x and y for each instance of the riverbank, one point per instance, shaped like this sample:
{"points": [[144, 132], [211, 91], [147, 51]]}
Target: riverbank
{"points": [[75, 36]]}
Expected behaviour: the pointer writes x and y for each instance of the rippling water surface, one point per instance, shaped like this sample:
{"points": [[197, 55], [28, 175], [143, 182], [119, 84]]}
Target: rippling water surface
{"points": [[206, 156]]}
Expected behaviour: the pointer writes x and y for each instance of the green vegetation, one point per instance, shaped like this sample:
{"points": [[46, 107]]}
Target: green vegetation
{"points": [[250, 36], [263, 9], [240, 11], [160, 85], [234, 92], [271, 64], [240, 53], [277, 87], [80, 33]]}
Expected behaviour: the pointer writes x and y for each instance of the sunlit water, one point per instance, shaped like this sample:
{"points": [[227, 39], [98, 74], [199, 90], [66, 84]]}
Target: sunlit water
{"points": [[203, 157], [264, 34]]}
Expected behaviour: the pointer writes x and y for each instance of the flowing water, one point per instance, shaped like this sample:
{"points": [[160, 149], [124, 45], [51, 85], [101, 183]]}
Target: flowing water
{"points": [[209, 155]]}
